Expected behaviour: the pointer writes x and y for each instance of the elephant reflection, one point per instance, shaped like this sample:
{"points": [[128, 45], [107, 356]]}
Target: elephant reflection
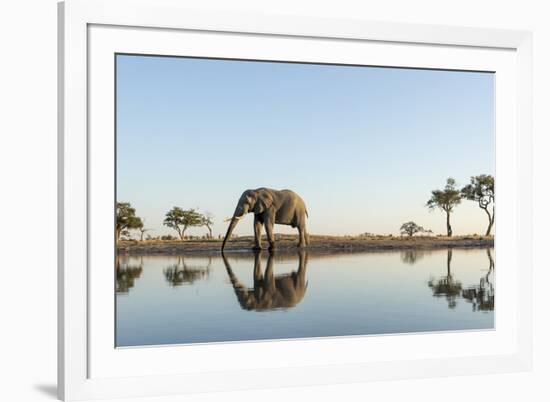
{"points": [[181, 273], [126, 274], [270, 291], [447, 286], [482, 296]]}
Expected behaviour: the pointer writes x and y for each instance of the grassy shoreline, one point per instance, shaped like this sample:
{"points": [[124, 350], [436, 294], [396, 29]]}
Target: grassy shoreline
{"points": [[320, 244]]}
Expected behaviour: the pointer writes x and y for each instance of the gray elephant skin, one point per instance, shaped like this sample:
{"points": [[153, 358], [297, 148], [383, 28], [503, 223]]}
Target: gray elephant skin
{"points": [[270, 292], [270, 207]]}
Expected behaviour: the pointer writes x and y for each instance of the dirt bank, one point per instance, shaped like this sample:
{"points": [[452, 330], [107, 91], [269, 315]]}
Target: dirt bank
{"points": [[321, 244]]}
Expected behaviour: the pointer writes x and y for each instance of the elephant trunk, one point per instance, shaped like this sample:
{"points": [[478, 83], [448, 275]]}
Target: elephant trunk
{"points": [[232, 225]]}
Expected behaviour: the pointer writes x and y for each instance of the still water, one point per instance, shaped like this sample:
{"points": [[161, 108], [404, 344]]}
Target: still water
{"points": [[247, 296]]}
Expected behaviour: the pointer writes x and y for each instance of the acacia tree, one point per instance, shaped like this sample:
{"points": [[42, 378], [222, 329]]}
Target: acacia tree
{"points": [[411, 228], [445, 200], [126, 218], [208, 220], [482, 190], [179, 220]]}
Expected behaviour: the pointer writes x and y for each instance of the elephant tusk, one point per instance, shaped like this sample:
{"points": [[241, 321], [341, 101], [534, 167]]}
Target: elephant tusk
{"points": [[234, 217]]}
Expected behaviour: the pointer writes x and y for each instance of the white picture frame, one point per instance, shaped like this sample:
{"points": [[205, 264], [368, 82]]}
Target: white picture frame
{"points": [[90, 367]]}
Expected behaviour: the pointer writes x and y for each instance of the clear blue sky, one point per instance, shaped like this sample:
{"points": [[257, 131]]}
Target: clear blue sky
{"points": [[363, 146]]}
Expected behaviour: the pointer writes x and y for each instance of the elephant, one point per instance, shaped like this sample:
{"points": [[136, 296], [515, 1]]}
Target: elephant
{"points": [[270, 292], [270, 206]]}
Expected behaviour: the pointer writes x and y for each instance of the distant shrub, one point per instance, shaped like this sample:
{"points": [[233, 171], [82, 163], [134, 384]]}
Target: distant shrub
{"points": [[367, 234]]}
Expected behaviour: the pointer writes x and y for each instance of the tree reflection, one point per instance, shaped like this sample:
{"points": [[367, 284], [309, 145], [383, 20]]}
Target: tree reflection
{"points": [[482, 296], [447, 286], [181, 273], [127, 273], [270, 291], [412, 256]]}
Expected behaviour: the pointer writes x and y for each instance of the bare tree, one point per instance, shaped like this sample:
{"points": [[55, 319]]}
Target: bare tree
{"points": [[143, 230], [482, 190], [208, 220]]}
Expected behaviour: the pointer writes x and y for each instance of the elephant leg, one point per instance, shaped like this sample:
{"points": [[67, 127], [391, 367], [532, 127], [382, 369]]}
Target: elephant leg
{"points": [[258, 277], [269, 231], [268, 276], [257, 233], [302, 235], [302, 266], [259, 282]]}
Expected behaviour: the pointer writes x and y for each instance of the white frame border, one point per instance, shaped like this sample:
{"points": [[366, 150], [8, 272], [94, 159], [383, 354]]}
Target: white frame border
{"points": [[105, 361], [74, 18]]}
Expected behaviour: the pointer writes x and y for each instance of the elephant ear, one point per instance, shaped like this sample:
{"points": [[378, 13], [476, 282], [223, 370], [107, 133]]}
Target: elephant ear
{"points": [[264, 201]]}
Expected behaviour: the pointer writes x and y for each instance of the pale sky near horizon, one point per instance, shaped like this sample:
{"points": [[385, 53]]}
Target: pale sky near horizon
{"points": [[363, 146]]}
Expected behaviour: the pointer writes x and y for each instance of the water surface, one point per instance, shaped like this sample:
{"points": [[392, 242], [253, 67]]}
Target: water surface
{"points": [[252, 296]]}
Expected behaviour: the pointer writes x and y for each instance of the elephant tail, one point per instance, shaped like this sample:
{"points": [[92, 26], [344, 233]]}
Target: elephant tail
{"points": [[307, 215]]}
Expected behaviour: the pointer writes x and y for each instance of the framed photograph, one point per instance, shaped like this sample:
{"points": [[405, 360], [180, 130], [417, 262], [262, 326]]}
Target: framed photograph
{"points": [[253, 201]]}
